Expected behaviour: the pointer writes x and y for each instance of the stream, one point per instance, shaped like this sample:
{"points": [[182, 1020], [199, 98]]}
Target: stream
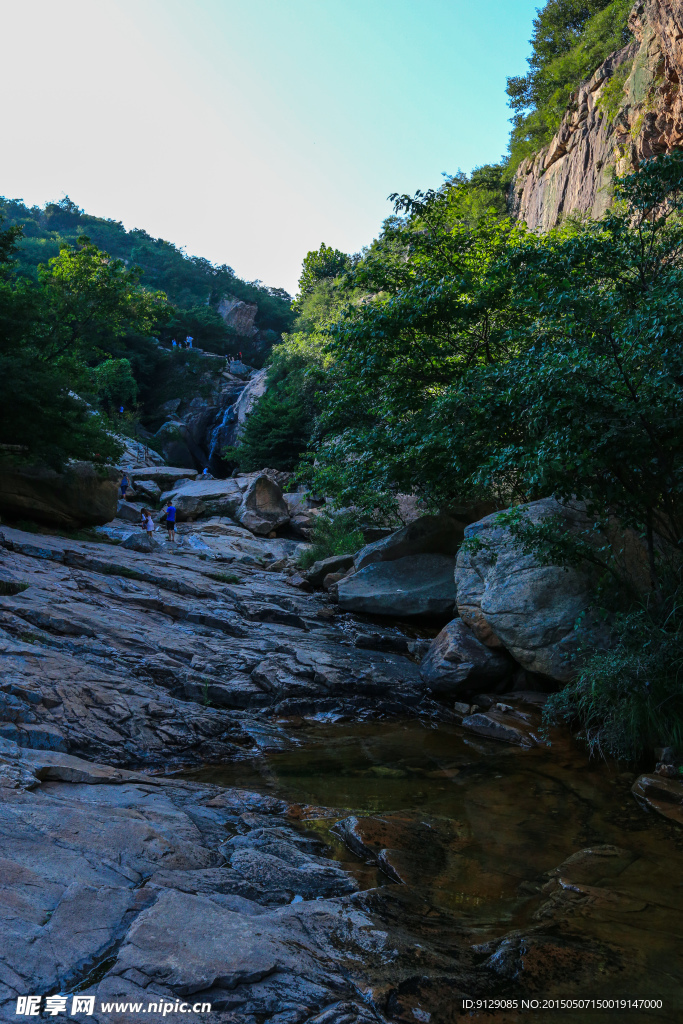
{"points": [[477, 830]]}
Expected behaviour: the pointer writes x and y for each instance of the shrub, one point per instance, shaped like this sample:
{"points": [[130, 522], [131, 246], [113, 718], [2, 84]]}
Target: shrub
{"points": [[629, 698], [336, 534]]}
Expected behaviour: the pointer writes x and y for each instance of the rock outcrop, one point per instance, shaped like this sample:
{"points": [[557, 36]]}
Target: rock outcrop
{"points": [[82, 495], [629, 110], [510, 600], [263, 508]]}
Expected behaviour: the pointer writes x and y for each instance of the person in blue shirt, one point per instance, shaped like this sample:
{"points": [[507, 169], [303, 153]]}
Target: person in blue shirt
{"points": [[124, 486], [170, 521]]}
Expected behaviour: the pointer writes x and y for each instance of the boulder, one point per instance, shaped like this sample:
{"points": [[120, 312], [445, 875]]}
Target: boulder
{"points": [[263, 508], [129, 512], [174, 444], [334, 564], [144, 542], [428, 535], [457, 663], [510, 600], [196, 498], [148, 489], [81, 495], [414, 585]]}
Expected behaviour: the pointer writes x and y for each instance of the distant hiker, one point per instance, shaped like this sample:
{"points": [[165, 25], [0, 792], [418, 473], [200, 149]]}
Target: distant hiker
{"points": [[205, 474], [149, 523], [174, 342], [170, 521], [124, 487], [188, 341]]}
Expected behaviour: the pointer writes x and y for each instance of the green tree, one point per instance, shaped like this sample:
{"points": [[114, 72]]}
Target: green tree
{"points": [[435, 308], [571, 38], [49, 330]]}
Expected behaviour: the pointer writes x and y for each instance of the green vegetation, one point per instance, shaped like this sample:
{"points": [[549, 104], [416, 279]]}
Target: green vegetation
{"points": [[193, 285], [79, 357], [463, 358], [56, 335], [336, 534], [571, 38], [629, 698], [224, 577]]}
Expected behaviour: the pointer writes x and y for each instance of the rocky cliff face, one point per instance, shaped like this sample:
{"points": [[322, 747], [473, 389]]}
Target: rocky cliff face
{"points": [[631, 109]]}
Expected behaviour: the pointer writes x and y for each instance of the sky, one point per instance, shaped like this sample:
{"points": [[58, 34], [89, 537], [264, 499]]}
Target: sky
{"points": [[250, 131]]}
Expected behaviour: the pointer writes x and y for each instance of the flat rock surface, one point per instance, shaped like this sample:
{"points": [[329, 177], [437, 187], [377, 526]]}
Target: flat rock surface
{"points": [[160, 659]]}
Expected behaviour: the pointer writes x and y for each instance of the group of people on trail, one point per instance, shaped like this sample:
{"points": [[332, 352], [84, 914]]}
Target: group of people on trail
{"points": [[182, 344], [169, 514], [146, 519]]}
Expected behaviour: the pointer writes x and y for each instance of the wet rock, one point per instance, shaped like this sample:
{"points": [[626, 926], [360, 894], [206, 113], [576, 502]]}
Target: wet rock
{"points": [[262, 509], [233, 424], [81, 495], [458, 663], [660, 794], [277, 865], [504, 725], [406, 847], [428, 535], [334, 564], [411, 586]]}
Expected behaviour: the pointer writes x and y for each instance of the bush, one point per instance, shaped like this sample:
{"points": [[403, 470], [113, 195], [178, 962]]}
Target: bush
{"points": [[336, 534], [629, 698]]}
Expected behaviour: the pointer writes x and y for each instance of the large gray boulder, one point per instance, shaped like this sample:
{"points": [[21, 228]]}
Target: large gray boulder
{"points": [[129, 512], [263, 508], [457, 663], [415, 585], [145, 543], [510, 600], [428, 535], [82, 495], [196, 498]]}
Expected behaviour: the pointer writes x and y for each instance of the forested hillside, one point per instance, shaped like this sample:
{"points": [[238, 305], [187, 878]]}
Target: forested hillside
{"points": [[193, 285]]}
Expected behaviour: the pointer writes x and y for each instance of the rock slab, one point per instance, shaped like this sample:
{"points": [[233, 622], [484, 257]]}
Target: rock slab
{"points": [[410, 586]]}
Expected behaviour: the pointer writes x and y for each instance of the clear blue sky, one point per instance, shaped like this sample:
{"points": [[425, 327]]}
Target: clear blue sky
{"points": [[250, 131]]}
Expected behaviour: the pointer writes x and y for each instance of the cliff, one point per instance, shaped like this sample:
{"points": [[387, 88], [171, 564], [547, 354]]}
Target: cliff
{"points": [[631, 109]]}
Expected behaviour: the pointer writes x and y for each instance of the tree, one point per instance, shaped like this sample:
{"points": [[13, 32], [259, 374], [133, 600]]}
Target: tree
{"points": [[90, 299], [49, 331], [433, 310], [592, 407], [321, 264]]}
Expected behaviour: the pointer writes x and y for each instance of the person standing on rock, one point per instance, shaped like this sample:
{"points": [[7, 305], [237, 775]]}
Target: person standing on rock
{"points": [[149, 524], [124, 487], [170, 521]]}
